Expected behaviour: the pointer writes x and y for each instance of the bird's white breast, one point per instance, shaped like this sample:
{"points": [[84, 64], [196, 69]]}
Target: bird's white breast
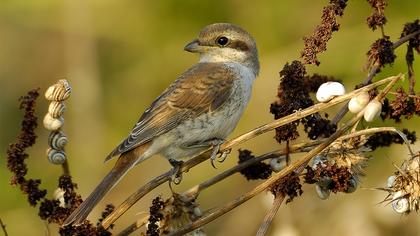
{"points": [[218, 124]]}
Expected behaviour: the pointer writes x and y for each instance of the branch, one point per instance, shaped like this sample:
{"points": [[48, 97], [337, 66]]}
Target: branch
{"points": [[268, 219], [371, 74], [3, 227], [297, 166], [152, 184]]}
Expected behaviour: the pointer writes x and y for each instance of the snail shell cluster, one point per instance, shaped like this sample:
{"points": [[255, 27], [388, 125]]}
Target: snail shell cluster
{"points": [[53, 120], [59, 91], [329, 90]]}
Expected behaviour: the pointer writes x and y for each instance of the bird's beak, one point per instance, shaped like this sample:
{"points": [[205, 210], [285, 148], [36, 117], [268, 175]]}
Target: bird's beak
{"points": [[195, 47]]}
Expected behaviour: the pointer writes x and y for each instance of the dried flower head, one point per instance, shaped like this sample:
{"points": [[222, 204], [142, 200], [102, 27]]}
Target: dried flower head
{"points": [[258, 170], [401, 106], [404, 187], [377, 19], [410, 28], [170, 215], [385, 139], [289, 186], [317, 42], [381, 52]]}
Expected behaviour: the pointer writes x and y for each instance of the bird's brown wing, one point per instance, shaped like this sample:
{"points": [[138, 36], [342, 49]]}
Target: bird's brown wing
{"points": [[203, 88]]}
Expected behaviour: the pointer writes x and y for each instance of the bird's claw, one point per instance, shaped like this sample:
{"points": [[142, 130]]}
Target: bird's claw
{"points": [[176, 176]]}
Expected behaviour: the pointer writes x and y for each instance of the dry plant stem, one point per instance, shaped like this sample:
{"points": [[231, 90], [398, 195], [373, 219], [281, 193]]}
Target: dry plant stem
{"points": [[3, 227], [297, 167], [133, 198], [133, 227], [193, 192], [372, 72], [299, 164], [66, 169], [268, 219]]}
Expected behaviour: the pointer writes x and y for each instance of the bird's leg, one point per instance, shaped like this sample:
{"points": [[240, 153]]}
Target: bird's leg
{"points": [[176, 171], [215, 143]]}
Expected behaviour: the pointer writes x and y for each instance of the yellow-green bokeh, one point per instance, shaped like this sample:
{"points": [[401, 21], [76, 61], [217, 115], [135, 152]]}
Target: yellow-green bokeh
{"points": [[120, 55]]}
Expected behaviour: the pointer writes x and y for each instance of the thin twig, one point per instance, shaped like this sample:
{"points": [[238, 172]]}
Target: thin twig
{"points": [[152, 184], [3, 227], [66, 169], [193, 192], [268, 219], [133, 227], [297, 166]]}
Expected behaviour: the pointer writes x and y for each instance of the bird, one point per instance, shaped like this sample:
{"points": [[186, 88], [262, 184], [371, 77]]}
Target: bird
{"points": [[196, 112]]}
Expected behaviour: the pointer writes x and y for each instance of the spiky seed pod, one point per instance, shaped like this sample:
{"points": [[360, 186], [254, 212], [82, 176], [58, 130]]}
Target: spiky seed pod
{"points": [[56, 109], [57, 140], [329, 90], [357, 103], [373, 110], [51, 123], [56, 157], [278, 164], [59, 91]]}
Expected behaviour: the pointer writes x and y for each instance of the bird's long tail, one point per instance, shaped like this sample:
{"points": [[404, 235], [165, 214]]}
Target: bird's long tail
{"points": [[122, 166]]}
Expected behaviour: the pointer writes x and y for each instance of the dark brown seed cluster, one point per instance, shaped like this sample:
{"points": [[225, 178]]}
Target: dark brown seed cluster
{"points": [[317, 42], [340, 176], [410, 28], [155, 216], [385, 139], [85, 229], [402, 106], [51, 211], [289, 186], [258, 170], [377, 19], [381, 52], [16, 154], [292, 96]]}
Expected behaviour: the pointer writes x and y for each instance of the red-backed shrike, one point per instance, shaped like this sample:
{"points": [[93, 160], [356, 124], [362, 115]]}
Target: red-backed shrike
{"points": [[199, 110]]}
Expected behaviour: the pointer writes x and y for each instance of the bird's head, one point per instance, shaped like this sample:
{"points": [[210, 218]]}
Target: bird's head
{"points": [[223, 42]]}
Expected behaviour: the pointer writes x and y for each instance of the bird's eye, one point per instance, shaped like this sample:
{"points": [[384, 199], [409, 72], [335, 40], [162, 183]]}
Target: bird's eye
{"points": [[222, 41]]}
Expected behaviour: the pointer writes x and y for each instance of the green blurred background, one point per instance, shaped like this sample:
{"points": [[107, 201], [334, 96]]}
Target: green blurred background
{"points": [[119, 55]]}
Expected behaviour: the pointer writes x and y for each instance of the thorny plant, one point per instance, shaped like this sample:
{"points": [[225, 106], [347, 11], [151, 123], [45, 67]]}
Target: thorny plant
{"points": [[339, 150]]}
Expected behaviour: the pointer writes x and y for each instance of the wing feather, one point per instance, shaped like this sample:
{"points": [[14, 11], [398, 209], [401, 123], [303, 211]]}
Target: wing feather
{"points": [[203, 88]]}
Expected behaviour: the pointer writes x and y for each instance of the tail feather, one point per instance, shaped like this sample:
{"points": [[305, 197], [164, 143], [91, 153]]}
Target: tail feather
{"points": [[123, 165]]}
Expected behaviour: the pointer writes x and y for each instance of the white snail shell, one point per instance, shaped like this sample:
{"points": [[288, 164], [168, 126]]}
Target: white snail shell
{"points": [[51, 123], [56, 156], [322, 193], [373, 110], [390, 181], [357, 103], [56, 109], [278, 164], [59, 91], [401, 205], [352, 186], [57, 140], [329, 90], [197, 212], [59, 195]]}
